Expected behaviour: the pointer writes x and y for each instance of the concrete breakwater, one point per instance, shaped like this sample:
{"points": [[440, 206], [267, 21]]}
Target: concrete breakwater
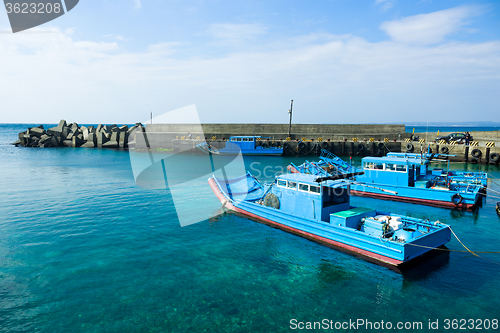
{"points": [[73, 135]]}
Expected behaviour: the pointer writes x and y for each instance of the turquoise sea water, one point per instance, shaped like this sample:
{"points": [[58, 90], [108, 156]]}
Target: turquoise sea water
{"points": [[83, 249]]}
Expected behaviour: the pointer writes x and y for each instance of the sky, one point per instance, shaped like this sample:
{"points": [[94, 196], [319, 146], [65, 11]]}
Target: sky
{"points": [[341, 61]]}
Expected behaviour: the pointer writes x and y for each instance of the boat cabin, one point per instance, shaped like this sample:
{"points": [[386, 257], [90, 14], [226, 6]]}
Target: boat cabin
{"points": [[395, 171], [329, 201], [244, 142]]}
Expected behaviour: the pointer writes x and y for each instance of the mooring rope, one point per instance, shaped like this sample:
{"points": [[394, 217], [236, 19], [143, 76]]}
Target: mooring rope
{"points": [[475, 253]]}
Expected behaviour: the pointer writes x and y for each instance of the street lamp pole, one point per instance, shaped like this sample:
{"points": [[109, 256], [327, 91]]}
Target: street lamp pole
{"points": [[290, 124]]}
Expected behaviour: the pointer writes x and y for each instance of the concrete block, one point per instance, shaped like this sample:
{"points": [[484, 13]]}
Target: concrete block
{"points": [[64, 133], [22, 139], [113, 128], [123, 128], [36, 131], [99, 128], [58, 129], [55, 141], [123, 141], [110, 144], [114, 136], [34, 141], [85, 132], [45, 139], [77, 142], [67, 143], [101, 138], [17, 143]]}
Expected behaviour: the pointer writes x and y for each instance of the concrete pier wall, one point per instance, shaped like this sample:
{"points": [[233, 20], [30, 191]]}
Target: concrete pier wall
{"points": [[280, 131]]}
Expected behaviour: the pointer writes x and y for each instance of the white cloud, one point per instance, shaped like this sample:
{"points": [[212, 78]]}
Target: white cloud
{"points": [[429, 28], [332, 79], [138, 4]]}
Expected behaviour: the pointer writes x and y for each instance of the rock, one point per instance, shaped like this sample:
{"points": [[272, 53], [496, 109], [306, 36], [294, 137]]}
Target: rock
{"points": [[110, 144]]}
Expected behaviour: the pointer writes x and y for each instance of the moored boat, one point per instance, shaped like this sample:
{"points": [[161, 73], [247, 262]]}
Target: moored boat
{"points": [[319, 208], [415, 185], [406, 177], [246, 145]]}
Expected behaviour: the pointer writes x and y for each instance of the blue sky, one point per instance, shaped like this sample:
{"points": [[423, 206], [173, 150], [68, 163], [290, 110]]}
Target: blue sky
{"points": [[242, 61]]}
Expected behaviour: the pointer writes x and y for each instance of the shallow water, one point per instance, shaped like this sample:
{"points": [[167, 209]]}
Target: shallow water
{"points": [[84, 249]]}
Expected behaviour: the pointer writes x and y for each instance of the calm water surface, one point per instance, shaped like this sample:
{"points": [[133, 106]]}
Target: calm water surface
{"points": [[83, 249]]}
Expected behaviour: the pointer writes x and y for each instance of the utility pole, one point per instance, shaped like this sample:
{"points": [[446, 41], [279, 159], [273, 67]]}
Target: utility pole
{"points": [[290, 125]]}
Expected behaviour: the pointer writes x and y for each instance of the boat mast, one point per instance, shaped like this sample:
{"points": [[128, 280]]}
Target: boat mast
{"points": [[290, 124]]}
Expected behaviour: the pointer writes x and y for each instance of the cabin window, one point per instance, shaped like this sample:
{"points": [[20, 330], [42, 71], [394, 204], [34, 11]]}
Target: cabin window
{"points": [[292, 185], [303, 187], [379, 166], [368, 165], [390, 167], [281, 183], [236, 139], [314, 189], [401, 168]]}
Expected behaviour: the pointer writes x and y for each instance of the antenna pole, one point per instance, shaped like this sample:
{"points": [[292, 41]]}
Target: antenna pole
{"points": [[290, 124]]}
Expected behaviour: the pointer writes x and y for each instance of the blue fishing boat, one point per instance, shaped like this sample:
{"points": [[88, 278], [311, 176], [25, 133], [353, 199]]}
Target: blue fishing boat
{"points": [[247, 145], [405, 177], [319, 208], [413, 183], [424, 160]]}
